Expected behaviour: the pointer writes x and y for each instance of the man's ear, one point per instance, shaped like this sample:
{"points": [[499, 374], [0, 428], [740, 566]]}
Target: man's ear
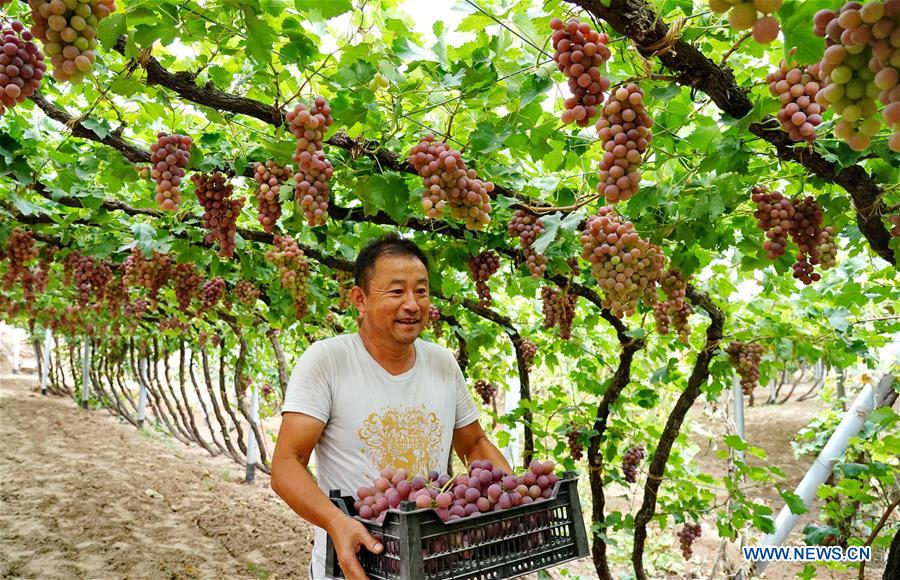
{"points": [[358, 298]]}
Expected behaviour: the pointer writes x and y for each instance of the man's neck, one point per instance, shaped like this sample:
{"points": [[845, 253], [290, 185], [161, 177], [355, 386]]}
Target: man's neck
{"points": [[395, 359]]}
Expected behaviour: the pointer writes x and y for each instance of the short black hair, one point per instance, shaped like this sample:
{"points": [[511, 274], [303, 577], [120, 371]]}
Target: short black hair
{"points": [[390, 244]]}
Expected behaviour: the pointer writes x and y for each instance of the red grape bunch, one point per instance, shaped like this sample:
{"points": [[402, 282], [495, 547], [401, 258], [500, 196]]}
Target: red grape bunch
{"points": [[434, 321], [527, 227], [20, 250], [151, 274], [796, 88], [861, 64], [580, 52], [482, 489], [806, 231], [21, 65], [269, 176], [774, 215], [293, 270], [90, 276], [630, 462], [745, 357], [136, 309], [529, 350], [573, 434], [482, 267], [686, 537], [187, 281], [486, 390], [745, 14], [211, 293], [168, 157], [559, 309], [624, 130], [311, 182], [448, 182], [625, 266], [68, 30], [674, 308], [345, 285], [220, 211], [246, 292]]}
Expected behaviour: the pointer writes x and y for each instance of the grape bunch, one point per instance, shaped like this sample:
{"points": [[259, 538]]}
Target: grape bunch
{"points": [[21, 65], [527, 227], [90, 276], [625, 266], [630, 462], [136, 309], [482, 267], [220, 211], [168, 157], [559, 309], [68, 30], [246, 292], [686, 537], [796, 88], [448, 182], [345, 285], [20, 250], [529, 350], [311, 182], [745, 14], [580, 52], [861, 64], [624, 130], [211, 293], [482, 489], [293, 270], [573, 434], [486, 390], [775, 216], [152, 273], [806, 231], [269, 176], [895, 225], [745, 357], [187, 281], [434, 321], [674, 309]]}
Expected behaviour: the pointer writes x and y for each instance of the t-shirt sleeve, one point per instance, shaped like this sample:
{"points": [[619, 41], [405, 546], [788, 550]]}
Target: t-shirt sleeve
{"points": [[466, 411], [309, 388]]}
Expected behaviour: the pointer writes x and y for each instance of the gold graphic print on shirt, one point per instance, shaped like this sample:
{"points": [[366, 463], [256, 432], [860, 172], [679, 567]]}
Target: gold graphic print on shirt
{"points": [[402, 437]]}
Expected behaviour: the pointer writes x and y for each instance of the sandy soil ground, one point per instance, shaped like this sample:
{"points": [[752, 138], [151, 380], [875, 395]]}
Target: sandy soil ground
{"points": [[84, 495]]}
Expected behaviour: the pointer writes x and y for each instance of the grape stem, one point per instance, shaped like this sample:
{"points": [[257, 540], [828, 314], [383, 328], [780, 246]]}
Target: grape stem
{"points": [[737, 44]]}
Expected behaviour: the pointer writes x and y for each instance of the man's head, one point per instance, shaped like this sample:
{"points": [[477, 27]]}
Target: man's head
{"points": [[391, 291]]}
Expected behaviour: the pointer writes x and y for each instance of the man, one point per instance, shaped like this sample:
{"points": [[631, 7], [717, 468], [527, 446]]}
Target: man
{"points": [[377, 398]]}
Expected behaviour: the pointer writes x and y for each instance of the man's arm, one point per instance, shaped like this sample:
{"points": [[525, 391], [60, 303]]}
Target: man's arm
{"points": [[471, 444], [291, 480]]}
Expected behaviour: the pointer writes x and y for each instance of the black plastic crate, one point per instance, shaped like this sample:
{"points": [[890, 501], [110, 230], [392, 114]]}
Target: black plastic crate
{"points": [[504, 544]]}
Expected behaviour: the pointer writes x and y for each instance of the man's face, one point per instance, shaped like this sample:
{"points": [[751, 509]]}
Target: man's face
{"points": [[397, 303]]}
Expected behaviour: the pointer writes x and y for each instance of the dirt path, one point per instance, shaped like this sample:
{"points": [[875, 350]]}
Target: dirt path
{"points": [[83, 495]]}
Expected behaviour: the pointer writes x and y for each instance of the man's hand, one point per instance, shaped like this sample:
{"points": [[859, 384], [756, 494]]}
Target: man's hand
{"points": [[348, 535]]}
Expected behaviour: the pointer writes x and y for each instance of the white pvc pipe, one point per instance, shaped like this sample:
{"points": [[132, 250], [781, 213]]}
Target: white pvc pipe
{"points": [[251, 436], [738, 396], [86, 374], [142, 395], [45, 370], [853, 421], [512, 452]]}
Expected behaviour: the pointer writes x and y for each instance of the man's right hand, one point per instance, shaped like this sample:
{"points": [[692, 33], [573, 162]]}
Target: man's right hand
{"points": [[348, 535]]}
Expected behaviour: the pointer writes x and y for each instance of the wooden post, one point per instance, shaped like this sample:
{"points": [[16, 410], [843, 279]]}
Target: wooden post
{"points": [[85, 373], [251, 434]]}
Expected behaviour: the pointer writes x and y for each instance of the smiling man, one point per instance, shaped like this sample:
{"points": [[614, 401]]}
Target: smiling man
{"points": [[378, 398]]}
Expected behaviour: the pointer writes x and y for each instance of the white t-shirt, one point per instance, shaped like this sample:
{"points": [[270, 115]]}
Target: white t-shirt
{"points": [[374, 419]]}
